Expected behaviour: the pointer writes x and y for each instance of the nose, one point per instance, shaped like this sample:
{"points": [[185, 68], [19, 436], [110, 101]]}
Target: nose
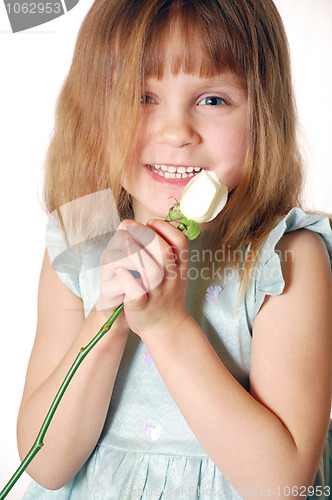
{"points": [[177, 130]]}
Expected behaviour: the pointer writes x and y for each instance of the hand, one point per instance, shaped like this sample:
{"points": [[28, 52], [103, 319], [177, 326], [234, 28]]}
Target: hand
{"points": [[117, 252], [146, 268]]}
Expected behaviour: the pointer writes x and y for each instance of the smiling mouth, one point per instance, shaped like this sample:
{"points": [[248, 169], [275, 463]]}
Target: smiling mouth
{"points": [[174, 172]]}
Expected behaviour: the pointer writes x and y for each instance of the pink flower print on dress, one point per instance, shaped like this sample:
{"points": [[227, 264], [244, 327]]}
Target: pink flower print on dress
{"points": [[147, 359], [152, 432], [212, 294]]}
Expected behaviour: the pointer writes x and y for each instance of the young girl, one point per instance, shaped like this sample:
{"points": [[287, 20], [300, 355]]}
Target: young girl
{"points": [[215, 381]]}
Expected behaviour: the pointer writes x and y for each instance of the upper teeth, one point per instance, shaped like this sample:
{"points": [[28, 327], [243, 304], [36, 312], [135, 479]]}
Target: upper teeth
{"points": [[173, 170]]}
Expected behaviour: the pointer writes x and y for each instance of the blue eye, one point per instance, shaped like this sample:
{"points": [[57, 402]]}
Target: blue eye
{"points": [[213, 101], [147, 99]]}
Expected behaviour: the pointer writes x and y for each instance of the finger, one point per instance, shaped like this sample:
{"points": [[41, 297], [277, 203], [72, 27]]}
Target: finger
{"points": [[174, 238], [111, 295], [123, 258], [108, 259], [151, 269], [125, 241], [118, 246], [113, 260], [134, 295], [147, 239], [170, 258], [139, 264], [145, 271]]}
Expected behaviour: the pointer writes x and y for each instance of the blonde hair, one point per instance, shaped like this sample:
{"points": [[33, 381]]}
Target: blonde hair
{"points": [[120, 43]]}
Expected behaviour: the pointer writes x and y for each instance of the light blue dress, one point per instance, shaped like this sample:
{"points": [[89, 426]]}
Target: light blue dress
{"points": [[147, 450]]}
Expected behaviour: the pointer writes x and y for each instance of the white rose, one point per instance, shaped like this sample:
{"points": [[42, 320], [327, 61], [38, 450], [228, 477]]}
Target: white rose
{"points": [[203, 197]]}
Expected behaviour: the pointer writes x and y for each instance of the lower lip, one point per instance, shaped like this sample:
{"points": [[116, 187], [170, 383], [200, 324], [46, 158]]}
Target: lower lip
{"points": [[169, 182]]}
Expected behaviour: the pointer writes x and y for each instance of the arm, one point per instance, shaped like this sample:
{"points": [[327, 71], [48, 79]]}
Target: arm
{"points": [[79, 419], [275, 435]]}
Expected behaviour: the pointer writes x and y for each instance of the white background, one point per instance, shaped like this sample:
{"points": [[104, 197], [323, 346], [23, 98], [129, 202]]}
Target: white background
{"points": [[33, 65]]}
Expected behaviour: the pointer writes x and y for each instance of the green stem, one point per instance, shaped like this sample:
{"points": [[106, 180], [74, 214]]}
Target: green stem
{"points": [[38, 444]]}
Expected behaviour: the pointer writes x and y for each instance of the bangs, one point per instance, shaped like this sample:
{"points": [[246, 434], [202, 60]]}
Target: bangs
{"points": [[195, 37]]}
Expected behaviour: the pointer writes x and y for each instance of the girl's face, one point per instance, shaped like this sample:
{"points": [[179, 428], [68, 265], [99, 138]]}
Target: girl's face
{"points": [[187, 123]]}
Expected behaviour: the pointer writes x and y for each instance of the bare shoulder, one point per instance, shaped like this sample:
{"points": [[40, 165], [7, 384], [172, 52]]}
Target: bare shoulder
{"points": [[291, 364], [307, 293], [303, 244], [304, 261], [57, 305]]}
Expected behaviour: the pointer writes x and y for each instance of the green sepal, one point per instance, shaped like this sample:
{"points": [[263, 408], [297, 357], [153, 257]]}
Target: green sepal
{"points": [[176, 214], [185, 221], [173, 214], [193, 230]]}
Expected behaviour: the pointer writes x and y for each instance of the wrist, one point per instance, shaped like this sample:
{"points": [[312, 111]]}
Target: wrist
{"points": [[168, 329]]}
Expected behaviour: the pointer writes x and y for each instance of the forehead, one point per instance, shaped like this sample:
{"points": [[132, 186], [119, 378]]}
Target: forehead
{"points": [[183, 41]]}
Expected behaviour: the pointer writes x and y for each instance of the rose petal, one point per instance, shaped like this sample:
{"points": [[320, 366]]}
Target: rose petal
{"points": [[203, 197]]}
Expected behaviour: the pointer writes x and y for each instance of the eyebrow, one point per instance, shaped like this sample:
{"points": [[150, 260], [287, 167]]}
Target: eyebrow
{"points": [[227, 81], [224, 79], [235, 83]]}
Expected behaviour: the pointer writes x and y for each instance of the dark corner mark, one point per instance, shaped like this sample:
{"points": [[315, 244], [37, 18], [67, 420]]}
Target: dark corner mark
{"points": [[27, 14]]}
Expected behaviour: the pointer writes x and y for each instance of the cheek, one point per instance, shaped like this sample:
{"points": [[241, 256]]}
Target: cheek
{"points": [[231, 149], [233, 177], [133, 168], [140, 144], [144, 133], [238, 150]]}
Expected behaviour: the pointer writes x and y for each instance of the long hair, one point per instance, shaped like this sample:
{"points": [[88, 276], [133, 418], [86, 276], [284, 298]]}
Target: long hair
{"points": [[120, 43]]}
